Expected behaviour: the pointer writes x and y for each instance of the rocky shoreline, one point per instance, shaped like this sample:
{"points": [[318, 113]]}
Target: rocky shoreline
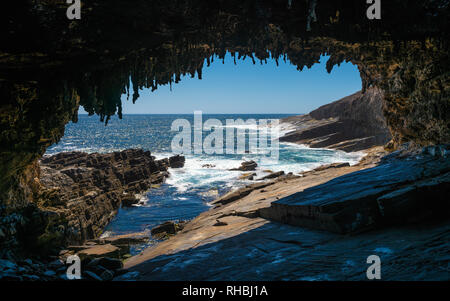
{"points": [[76, 195], [390, 192], [393, 195], [86, 190]]}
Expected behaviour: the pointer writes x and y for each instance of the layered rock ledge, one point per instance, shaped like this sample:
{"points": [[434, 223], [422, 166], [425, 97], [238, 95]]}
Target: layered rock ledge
{"points": [[398, 191], [86, 190], [77, 194], [247, 240], [353, 123]]}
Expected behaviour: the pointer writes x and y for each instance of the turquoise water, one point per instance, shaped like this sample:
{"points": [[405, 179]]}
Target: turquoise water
{"points": [[188, 190]]}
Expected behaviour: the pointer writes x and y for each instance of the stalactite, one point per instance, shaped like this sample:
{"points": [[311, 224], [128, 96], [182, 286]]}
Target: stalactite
{"points": [[311, 14]]}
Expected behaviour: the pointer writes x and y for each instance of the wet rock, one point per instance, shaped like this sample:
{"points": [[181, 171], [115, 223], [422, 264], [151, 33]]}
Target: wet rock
{"points": [[177, 161], [128, 200], [180, 225], [437, 150], [272, 176], [165, 230], [128, 276], [246, 166], [208, 166], [247, 176], [167, 227]]}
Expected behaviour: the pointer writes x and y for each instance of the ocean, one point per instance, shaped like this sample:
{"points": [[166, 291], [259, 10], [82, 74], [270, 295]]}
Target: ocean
{"points": [[188, 190]]}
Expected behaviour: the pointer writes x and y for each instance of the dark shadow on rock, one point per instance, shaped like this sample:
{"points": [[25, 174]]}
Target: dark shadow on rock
{"points": [[282, 252]]}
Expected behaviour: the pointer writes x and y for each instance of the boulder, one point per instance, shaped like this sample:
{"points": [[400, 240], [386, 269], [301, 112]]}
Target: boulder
{"points": [[180, 225], [272, 176], [246, 166], [177, 161], [167, 227], [208, 166], [129, 200], [247, 176]]}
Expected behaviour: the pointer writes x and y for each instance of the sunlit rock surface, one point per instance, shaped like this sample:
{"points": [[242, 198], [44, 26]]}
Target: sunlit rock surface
{"points": [[353, 123], [399, 191], [235, 240]]}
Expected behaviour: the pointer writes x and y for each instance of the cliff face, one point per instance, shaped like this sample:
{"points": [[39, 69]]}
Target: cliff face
{"points": [[50, 65], [75, 195], [353, 123]]}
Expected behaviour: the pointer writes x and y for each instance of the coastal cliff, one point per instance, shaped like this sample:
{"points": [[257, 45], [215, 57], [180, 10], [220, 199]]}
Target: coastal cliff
{"points": [[353, 123], [77, 194]]}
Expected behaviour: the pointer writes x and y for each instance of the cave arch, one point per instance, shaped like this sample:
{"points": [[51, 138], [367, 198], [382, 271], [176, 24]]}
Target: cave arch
{"points": [[50, 65]]}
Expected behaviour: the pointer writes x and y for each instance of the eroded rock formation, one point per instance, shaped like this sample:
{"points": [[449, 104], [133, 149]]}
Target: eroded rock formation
{"points": [[77, 194], [353, 123], [50, 65]]}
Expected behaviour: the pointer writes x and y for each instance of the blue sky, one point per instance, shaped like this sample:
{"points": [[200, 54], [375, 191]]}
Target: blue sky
{"points": [[247, 88]]}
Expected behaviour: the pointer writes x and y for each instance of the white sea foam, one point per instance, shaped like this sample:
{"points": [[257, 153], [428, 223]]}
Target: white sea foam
{"points": [[193, 175], [196, 178], [293, 158]]}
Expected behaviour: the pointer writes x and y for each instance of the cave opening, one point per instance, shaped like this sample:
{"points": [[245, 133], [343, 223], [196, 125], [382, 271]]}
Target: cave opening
{"points": [[269, 88], [233, 90], [51, 66], [243, 86]]}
